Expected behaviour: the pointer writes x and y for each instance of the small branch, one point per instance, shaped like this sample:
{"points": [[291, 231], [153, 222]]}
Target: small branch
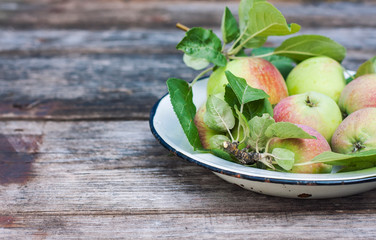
{"points": [[201, 75], [182, 27], [234, 57], [265, 55], [244, 157], [258, 56], [236, 42]]}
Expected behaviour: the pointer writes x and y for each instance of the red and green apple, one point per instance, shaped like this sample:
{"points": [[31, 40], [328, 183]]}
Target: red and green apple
{"points": [[312, 109], [356, 133], [359, 93], [259, 73], [305, 150]]}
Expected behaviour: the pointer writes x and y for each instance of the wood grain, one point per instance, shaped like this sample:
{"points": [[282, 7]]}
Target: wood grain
{"points": [[191, 226], [84, 74], [96, 177], [99, 14], [146, 41], [96, 172]]}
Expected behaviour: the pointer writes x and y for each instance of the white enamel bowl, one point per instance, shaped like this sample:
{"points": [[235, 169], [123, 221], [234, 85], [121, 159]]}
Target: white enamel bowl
{"points": [[167, 130]]}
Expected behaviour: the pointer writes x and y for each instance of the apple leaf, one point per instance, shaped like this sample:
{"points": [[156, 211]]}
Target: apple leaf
{"points": [[258, 126], [367, 67], [285, 130], [282, 63], [229, 26], [231, 98], [181, 99], [218, 115], [302, 47], [222, 154], [258, 108], [217, 141], [203, 43], [284, 158], [244, 15], [265, 20], [195, 63], [243, 91], [245, 7], [349, 162], [250, 109], [255, 101]]}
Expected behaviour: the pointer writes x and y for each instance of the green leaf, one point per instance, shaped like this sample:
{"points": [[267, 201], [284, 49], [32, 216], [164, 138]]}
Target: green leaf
{"points": [[222, 154], [251, 109], [254, 42], [349, 79], [243, 125], [181, 99], [367, 67], [195, 63], [282, 63], [302, 47], [284, 158], [217, 141], [203, 43], [229, 26], [265, 20], [245, 7], [350, 162], [258, 108], [243, 91], [258, 126], [231, 98], [285, 130], [255, 101], [218, 115]]}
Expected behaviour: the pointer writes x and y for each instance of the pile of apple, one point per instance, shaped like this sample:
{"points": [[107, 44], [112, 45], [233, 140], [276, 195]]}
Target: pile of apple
{"points": [[314, 96]]}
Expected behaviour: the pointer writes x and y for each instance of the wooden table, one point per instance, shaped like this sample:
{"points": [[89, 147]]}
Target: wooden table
{"points": [[77, 158]]}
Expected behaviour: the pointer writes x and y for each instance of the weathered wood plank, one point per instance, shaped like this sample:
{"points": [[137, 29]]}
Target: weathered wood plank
{"points": [[99, 14], [192, 226], [109, 74], [145, 41], [118, 167], [113, 180], [76, 87]]}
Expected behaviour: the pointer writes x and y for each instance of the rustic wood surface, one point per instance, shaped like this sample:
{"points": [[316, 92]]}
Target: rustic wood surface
{"points": [[77, 159]]}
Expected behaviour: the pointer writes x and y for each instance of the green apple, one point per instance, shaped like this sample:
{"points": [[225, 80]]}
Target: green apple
{"points": [[305, 150], [356, 133], [312, 109], [258, 72], [319, 74], [359, 93]]}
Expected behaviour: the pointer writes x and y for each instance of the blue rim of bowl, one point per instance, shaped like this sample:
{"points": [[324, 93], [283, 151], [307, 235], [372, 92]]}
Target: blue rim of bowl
{"points": [[246, 176]]}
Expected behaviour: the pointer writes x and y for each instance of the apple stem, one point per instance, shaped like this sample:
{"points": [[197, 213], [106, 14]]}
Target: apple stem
{"points": [[182, 27], [309, 102], [357, 147]]}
